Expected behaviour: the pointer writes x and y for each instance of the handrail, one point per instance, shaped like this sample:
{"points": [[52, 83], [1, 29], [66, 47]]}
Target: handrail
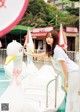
{"points": [[55, 91]]}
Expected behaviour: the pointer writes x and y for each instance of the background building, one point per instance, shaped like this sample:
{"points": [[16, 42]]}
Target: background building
{"points": [[60, 4]]}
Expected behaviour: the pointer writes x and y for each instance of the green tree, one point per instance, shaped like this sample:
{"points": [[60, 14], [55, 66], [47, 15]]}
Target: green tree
{"points": [[74, 11], [41, 14], [74, 0]]}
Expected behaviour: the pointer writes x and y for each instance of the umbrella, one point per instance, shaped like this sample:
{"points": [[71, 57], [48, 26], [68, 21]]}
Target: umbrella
{"points": [[62, 38], [28, 39], [0, 44]]}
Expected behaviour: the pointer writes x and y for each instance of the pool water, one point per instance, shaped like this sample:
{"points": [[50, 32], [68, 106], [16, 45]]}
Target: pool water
{"points": [[3, 83]]}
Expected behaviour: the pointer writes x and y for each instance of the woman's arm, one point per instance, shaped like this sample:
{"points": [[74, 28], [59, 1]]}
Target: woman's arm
{"points": [[34, 54], [64, 68]]}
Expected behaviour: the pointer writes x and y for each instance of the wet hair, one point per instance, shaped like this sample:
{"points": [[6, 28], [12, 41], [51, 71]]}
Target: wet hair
{"points": [[49, 49]]}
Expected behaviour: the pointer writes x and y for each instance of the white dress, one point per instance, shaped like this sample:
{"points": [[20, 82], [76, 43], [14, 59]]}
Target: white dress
{"points": [[73, 94]]}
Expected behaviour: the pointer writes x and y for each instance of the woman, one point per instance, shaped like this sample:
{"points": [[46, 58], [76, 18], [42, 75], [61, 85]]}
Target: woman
{"points": [[69, 69], [66, 67]]}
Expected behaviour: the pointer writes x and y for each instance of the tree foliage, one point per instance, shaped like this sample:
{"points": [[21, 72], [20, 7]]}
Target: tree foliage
{"points": [[74, 0], [69, 1], [73, 11], [41, 14]]}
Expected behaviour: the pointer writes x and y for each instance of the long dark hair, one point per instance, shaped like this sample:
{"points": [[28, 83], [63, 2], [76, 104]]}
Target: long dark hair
{"points": [[49, 49]]}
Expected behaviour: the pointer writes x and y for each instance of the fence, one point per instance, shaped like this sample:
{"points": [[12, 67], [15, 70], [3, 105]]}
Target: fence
{"points": [[2, 56], [73, 55]]}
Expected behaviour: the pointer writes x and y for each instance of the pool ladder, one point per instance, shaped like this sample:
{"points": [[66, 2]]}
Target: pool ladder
{"points": [[56, 78]]}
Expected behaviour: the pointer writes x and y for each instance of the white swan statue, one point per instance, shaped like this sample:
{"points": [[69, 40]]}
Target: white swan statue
{"points": [[13, 98]]}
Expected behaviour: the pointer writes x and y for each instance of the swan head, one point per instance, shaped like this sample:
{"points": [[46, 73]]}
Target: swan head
{"points": [[14, 50]]}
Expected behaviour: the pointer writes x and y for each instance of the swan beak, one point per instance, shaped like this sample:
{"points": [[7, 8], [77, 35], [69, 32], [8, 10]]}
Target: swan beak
{"points": [[9, 59]]}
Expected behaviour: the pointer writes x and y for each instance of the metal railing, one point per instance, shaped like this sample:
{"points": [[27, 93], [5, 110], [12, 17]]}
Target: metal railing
{"points": [[73, 55], [47, 87], [2, 56]]}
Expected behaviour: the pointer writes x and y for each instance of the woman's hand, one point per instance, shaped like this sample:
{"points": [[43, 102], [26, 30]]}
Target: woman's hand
{"points": [[24, 52]]}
